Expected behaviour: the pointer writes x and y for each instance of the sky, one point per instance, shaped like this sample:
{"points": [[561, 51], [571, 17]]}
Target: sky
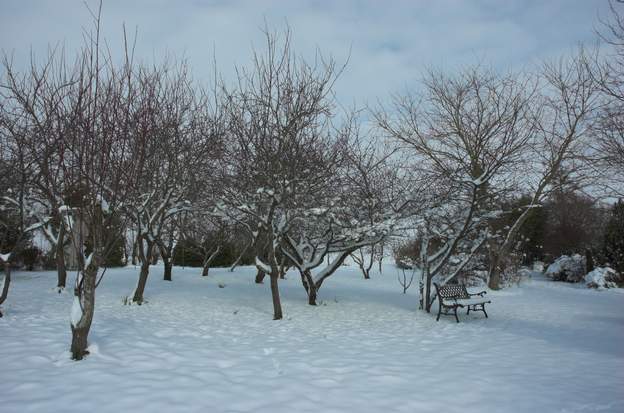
{"points": [[388, 44]]}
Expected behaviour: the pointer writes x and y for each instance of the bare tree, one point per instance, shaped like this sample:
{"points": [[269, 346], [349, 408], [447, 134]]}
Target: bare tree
{"points": [[279, 121], [36, 100], [403, 281], [205, 235], [355, 211], [562, 119], [151, 216], [175, 142], [466, 133], [92, 97], [364, 258], [371, 173], [15, 202], [608, 144], [334, 233]]}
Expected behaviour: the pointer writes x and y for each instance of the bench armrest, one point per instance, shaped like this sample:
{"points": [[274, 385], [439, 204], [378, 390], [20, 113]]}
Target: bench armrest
{"points": [[480, 294]]}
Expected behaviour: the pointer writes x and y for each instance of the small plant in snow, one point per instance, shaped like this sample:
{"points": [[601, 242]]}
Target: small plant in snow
{"points": [[402, 277]]}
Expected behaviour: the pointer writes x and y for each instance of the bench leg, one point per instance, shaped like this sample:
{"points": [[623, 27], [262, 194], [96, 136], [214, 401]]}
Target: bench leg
{"points": [[468, 312], [483, 308], [456, 318], [439, 311]]}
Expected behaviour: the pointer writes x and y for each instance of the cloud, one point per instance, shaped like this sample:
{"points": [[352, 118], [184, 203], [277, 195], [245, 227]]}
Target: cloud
{"points": [[388, 43]]}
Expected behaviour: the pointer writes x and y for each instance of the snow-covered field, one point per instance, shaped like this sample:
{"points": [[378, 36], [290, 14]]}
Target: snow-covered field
{"points": [[547, 347]]}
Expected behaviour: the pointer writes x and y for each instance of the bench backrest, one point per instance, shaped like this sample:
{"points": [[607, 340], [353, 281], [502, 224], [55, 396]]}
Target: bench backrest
{"points": [[452, 291]]}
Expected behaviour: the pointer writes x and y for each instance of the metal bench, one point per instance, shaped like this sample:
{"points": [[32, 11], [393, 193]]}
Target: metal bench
{"points": [[454, 296]]}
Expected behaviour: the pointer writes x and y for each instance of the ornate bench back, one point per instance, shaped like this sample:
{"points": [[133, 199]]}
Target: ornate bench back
{"points": [[453, 291]]}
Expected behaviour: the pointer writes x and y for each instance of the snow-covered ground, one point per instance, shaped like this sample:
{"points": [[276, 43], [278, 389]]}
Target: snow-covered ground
{"points": [[547, 347]]}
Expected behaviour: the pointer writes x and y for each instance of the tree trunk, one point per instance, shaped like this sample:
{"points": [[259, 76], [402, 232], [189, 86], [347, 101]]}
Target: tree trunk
{"points": [[310, 287], [145, 263], [425, 289], [79, 342], [283, 269], [368, 269], [5, 285], [425, 276], [86, 296], [312, 295], [304, 282], [166, 253], [360, 260], [381, 256], [168, 268], [495, 273], [277, 306], [428, 293], [328, 271], [209, 260], [134, 253], [60, 259], [260, 277], [425, 295], [140, 289]]}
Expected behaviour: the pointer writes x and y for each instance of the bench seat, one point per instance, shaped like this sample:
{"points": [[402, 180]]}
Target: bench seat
{"points": [[471, 301]]}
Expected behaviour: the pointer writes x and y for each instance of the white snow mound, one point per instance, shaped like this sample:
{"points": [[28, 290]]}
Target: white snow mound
{"points": [[567, 268], [601, 277]]}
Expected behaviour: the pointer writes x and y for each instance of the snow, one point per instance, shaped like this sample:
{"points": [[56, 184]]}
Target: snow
{"points": [[103, 204], [88, 260], [318, 211], [264, 267], [472, 301], [76, 311], [34, 226], [538, 266], [5, 257], [195, 347], [601, 277]]}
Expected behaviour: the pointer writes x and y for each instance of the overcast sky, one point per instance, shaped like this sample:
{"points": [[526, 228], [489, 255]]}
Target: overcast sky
{"points": [[390, 42]]}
